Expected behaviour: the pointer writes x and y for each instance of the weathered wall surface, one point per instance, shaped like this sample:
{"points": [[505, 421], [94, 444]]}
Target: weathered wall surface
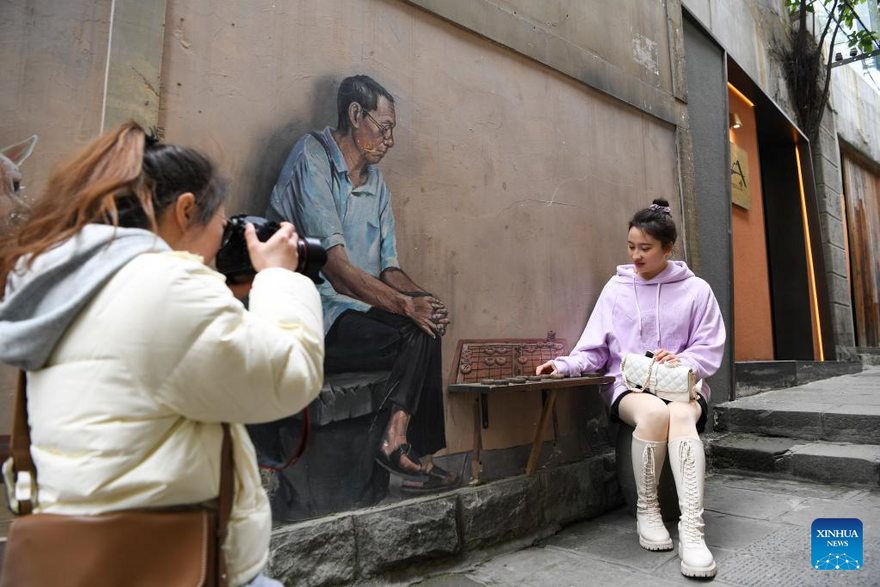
{"points": [[512, 184], [633, 36], [857, 111], [705, 70], [853, 119], [52, 60], [621, 49], [750, 31]]}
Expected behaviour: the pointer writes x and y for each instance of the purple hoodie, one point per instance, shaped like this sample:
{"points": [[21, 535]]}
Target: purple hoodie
{"points": [[675, 310]]}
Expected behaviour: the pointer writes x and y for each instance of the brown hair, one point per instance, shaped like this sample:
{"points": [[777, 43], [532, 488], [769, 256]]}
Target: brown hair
{"points": [[123, 178]]}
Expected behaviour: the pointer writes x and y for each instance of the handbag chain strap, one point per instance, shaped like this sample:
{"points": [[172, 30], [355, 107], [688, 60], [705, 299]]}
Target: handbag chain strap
{"points": [[25, 473]]}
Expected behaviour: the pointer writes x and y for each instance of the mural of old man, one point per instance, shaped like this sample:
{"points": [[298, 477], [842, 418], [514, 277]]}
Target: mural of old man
{"points": [[375, 317]]}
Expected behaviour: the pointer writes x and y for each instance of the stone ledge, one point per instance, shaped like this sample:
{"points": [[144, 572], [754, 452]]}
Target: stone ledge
{"points": [[828, 462], [366, 543], [406, 533], [808, 421], [753, 376], [317, 552]]}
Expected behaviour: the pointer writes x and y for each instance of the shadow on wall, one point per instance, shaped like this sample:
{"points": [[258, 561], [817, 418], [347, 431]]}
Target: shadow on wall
{"points": [[272, 148]]}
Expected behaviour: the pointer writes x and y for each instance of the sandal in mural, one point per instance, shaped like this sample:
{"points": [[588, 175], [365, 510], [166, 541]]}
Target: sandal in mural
{"points": [[392, 463], [438, 480]]}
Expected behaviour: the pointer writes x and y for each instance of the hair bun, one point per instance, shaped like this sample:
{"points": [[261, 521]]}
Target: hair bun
{"points": [[661, 202]]}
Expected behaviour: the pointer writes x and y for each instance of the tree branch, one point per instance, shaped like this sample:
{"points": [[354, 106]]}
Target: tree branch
{"points": [[820, 111], [827, 25]]}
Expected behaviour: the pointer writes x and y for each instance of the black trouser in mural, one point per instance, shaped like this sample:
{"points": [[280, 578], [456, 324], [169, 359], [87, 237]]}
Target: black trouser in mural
{"points": [[377, 340]]}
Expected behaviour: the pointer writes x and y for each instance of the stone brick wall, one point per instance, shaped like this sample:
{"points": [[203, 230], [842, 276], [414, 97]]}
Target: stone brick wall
{"points": [[443, 529]]}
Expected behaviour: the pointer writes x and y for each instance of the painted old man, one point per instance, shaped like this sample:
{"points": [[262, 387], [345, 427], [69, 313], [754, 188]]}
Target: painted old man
{"points": [[375, 316]]}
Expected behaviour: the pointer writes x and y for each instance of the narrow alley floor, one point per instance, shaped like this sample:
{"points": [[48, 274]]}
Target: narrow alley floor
{"points": [[757, 528]]}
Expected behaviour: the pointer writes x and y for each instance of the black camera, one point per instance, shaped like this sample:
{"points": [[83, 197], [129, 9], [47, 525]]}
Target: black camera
{"points": [[233, 259]]}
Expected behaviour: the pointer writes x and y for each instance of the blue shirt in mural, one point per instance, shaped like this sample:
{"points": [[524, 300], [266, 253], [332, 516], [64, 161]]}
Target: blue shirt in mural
{"points": [[315, 193]]}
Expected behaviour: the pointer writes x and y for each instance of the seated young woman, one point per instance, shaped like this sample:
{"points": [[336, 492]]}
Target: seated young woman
{"points": [[658, 305]]}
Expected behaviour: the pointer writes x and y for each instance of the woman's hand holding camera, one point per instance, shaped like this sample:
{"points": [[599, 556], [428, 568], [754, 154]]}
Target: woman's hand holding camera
{"points": [[278, 251]]}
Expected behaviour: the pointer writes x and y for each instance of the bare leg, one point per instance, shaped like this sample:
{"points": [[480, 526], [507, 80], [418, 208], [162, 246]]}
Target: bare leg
{"points": [[683, 419], [646, 413]]}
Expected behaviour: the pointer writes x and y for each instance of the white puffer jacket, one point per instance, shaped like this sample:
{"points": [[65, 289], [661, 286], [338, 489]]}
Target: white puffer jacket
{"points": [[127, 411]]}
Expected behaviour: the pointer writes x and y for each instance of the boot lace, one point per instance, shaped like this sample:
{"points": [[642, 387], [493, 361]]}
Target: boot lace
{"points": [[692, 516], [651, 509]]}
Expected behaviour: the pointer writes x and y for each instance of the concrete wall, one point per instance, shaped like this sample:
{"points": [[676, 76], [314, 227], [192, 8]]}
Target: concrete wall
{"points": [[854, 124], [750, 30], [856, 105], [626, 49], [708, 119], [512, 184], [52, 61]]}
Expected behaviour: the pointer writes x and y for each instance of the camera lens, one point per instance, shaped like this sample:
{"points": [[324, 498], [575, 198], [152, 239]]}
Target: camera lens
{"points": [[312, 258], [233, 259]]}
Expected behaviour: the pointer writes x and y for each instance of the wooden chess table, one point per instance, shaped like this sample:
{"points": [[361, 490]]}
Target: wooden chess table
{"points": [[503, 366]]}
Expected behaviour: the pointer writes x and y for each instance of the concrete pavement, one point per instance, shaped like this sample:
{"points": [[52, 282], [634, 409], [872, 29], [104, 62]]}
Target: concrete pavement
{"points": [[757, 528]]}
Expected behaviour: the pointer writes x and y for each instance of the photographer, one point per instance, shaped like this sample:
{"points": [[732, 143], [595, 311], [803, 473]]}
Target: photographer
{"points": [[136, 352]]}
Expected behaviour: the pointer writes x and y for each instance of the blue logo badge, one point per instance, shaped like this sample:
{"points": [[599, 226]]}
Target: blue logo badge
{"points": [[836, 544]]}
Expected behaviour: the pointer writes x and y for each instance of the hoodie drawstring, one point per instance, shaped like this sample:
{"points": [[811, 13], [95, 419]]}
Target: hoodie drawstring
{"points": [[638, 308], [657, 312]]}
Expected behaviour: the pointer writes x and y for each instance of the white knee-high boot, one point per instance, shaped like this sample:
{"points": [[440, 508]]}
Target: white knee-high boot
{"points": [[647, 462], [688, 460]]}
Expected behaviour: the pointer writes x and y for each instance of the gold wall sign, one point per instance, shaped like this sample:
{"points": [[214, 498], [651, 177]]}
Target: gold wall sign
{"points": [[740, 186]]}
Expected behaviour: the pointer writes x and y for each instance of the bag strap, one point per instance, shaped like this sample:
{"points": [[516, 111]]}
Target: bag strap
{"points": [[224, 509], [24, 472]]}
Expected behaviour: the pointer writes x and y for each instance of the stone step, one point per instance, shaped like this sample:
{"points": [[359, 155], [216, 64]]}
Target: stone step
{"points": [[822, 461], [857, 423], [756, 376], [868, 355]]}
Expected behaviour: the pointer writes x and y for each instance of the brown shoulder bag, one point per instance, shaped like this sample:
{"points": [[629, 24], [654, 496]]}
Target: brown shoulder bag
{"points": [[136, 548]]}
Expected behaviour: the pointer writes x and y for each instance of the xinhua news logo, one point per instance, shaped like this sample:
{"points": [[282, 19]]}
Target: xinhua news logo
{"points": [[836, 544]]}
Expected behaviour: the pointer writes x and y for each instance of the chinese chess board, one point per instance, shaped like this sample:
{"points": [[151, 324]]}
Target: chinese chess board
{"points": [[476, 360]]}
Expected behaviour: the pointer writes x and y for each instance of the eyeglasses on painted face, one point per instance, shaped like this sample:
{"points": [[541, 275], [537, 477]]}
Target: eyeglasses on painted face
{"points": [[387, 130]]}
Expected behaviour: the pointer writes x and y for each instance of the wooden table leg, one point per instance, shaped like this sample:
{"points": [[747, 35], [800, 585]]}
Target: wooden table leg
{"points": [[476, 456], [546, 412]]}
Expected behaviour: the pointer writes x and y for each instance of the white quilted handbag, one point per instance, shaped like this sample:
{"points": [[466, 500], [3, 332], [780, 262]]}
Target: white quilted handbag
{"points": [[643, 373]]}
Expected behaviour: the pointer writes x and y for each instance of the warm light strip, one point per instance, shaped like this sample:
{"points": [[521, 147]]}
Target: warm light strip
{"points": [[815, 300], [741, 95]]}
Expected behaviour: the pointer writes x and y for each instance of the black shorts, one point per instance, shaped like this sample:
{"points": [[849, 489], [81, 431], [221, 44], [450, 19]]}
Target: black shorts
{"points": [[614, 412]]}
